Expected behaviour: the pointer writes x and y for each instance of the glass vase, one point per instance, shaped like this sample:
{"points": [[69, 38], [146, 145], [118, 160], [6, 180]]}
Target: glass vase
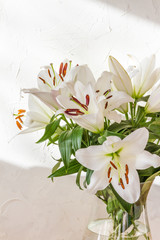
{"points": [[111, 221]]}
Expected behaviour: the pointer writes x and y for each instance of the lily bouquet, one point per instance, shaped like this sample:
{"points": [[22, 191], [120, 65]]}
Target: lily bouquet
{"points": [[108, 129]]}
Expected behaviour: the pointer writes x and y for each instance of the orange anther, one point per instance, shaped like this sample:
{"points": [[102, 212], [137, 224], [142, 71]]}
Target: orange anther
{"points": [[113, 165], [110, 180], [21, 111], [49, 73], [121, 182], [127, 169], [127, 178], [54, 81], [19, 125], [42, 80], [87, 99], [61, 68], [109, 172], [65, 69]]}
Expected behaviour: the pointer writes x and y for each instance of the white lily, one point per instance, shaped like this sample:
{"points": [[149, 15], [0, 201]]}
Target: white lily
{"points": [[83, 107], [138, 81], [112, 99], [36, 118], [51, 84], [153, 103], [116, 162]]}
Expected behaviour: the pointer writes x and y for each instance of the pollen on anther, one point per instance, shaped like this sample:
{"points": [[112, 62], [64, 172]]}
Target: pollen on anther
{"points": [[49, 73], [19, 125], [109, 172], [60, 68], [113, 165], [21, 111], [127, 169], [106, 105], [54, 81], [121, 182], [110, 180], [87, 99], [42, 80], [65, 69], [127, 178]]}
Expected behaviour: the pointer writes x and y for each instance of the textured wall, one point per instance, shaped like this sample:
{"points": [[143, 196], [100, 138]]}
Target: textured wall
{"points": [[34, 33]]}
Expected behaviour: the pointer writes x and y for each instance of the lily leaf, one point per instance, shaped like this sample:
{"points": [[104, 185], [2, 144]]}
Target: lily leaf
{"points": [[117, 127], [49, 130], [77, 138], [78, 177], [146, 187], [65, 147], [74, 167]]}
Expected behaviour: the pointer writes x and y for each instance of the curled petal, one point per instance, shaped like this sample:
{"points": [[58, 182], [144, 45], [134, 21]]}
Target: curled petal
{"points": [[145, 160]]}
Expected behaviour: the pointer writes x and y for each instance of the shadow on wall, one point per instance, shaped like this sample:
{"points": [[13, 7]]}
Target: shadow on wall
{"points": [[146, 9], [32, 207]]}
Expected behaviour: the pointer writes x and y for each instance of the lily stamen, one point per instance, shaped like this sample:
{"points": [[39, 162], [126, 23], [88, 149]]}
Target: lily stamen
{"points": [[21, 111], [87, 99], [65, 69], [110, 180], [127, 169], [54, 81], [79, 103], [109, 97], [106, 105], [113, 165], [109, 172], [74, 112], [42, 80], [61, 68], [49, 73], [106, 92], [19, 125], [127, 178], [121, 182]]}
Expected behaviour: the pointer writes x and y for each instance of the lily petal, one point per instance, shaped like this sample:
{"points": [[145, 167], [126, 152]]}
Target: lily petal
{"points": [[121, 80], [131, 192], [92, 158], [145, 160], [99, 181]]}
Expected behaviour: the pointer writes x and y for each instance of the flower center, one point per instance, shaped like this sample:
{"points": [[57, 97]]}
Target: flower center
{"points": [[114, 165], [83, 107]]}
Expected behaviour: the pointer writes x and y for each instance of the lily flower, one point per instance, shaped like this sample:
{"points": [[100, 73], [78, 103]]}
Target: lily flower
{"points": [[116, 161], [36, 118], [153, 103], [51, 84], [91, 102], [83, 107], [138, 80]]}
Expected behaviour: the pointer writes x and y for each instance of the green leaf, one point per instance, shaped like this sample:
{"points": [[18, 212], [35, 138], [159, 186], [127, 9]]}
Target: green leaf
{"points": [[73, 168], [140, 114], [125, 205], [79, 177], [116, 127], [146, 187], [56, 166], [77, 138], [144, 99], [152, 147], [49, 130], [88, 175], [107, 133], [65, 147]]}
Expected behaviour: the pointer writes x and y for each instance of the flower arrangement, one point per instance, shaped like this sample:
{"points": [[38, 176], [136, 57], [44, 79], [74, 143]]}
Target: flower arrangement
{"points": [[108, 129]]}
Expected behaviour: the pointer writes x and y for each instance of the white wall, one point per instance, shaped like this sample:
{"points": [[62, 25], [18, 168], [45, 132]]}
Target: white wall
{"points": [[34, 33]]}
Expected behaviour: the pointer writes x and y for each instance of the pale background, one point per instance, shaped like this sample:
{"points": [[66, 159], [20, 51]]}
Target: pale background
{"points": [[34, 33]]}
